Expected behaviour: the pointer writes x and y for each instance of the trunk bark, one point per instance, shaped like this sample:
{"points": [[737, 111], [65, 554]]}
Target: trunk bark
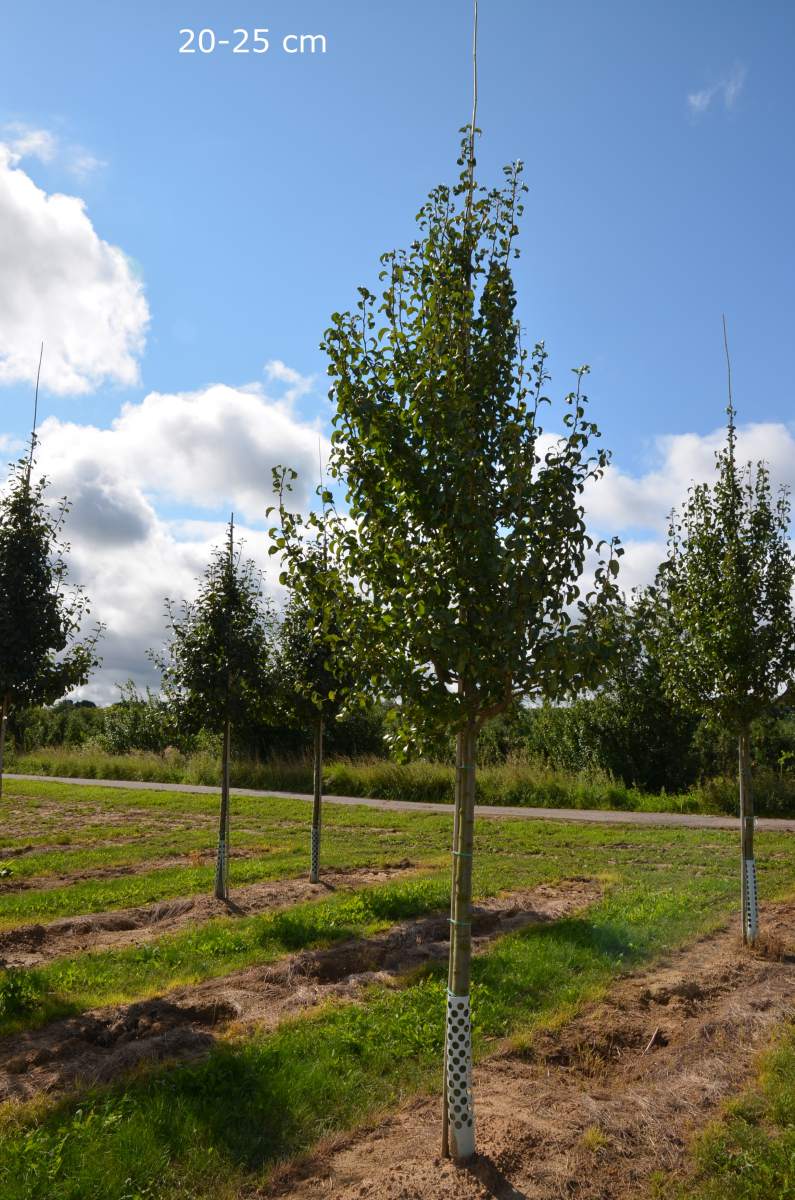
{"points": [[459, 1106], [222, 859], [3, 726], [750, 910], [317, 802]]}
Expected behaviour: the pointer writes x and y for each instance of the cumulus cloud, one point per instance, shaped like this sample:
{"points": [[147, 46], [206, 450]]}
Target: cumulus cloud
{"points": [[128, 583], [642, 502], [207, 449], [635, 505], [207, 452], [62, 284], [725, 90]]}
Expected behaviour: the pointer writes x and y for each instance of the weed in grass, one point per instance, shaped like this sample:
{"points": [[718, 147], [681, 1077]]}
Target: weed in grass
{"points": [[749, 1154], [594, 1139]]}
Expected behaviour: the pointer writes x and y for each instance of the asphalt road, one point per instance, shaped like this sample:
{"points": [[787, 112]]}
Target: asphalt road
{"points": [[582, 815]]}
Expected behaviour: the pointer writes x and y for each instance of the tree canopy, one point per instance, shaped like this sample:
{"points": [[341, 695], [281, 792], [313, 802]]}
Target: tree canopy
{"points": [[41, 615], [317, 668], [217, 663], [728, 637], [466, 531]]}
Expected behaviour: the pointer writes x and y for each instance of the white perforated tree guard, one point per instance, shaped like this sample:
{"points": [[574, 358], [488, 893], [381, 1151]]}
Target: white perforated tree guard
{"points": [[460, 1106], [751, 901], [315, 863]]}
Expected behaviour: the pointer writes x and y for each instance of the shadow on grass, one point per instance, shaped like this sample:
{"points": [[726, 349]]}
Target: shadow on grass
{"points": [[252, 1103]]}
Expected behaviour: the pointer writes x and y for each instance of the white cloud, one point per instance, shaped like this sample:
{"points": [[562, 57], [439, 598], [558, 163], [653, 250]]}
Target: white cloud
{"points": [[25, 141], [127, 585], [627, 504], [63, 285], [298, 385], [11, 445], [623, 501], [727, 89], [210, 451], [205, 449]]}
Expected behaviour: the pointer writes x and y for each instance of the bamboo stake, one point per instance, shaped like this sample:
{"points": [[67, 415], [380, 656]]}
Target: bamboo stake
{"points": [[747, 864], [3, 725], [317, 801], [222, 858], [458, 1135]]}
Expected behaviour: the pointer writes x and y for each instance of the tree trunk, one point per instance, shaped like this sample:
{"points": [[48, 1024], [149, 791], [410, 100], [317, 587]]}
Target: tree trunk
{"points": [[459, 1106], [317, 801], [3, 726], [222, 860], [459, 775], [748, 865]]}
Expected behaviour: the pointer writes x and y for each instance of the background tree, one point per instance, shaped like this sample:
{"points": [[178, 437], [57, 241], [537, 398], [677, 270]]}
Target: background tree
{"points": [[40, 615], [728, 639], [466, 528], [316, 669], [631, 727], [217, 665]]}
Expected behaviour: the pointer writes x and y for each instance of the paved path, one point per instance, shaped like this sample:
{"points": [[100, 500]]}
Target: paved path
{"points": [[596, 816]]}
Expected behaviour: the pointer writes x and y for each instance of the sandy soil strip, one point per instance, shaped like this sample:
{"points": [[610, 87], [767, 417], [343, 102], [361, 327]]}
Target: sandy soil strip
{"points": [[594, 1108], [32, 945], [182, 1025]]}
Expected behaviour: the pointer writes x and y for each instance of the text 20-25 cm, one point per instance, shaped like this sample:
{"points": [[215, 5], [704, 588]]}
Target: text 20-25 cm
{"points": [[249, 41]]}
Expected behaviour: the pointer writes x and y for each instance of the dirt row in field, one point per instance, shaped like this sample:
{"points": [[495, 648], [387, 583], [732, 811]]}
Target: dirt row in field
{"points": [[593, 1108], [183, 1025], [33, 945], [60, 879], [22, 818]]}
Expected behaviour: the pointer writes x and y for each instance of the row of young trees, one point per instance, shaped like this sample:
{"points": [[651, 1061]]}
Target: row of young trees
{"points": [[452, 582]]}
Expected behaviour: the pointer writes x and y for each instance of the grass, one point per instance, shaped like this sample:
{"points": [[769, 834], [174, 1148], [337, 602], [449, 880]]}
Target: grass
{"points": [[216, 1128], [151, 826], [750, 1153], [515, 784], [71, 985]]}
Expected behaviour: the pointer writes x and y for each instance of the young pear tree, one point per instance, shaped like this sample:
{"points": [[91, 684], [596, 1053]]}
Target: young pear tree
{"points": [[466, 533], [317, 672], [728, 639], [40, 615], [216, 667]]}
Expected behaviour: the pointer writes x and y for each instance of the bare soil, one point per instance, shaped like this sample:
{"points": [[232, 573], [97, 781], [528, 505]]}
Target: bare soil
{"points": [[59, 879], [32, 945], [591, 1110], [23, 818], [182, 1025]]}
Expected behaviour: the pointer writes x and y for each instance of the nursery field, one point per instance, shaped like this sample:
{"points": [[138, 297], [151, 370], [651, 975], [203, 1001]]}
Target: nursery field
{"points": [[157, 1043]]}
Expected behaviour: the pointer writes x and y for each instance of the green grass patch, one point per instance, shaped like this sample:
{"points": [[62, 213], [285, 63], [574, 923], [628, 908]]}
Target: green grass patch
{"points": [[214, 1129], [164, 823], [70, 985]]}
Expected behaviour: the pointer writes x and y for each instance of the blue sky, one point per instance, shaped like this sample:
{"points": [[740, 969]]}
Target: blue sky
{"points": [[251, 193]]}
